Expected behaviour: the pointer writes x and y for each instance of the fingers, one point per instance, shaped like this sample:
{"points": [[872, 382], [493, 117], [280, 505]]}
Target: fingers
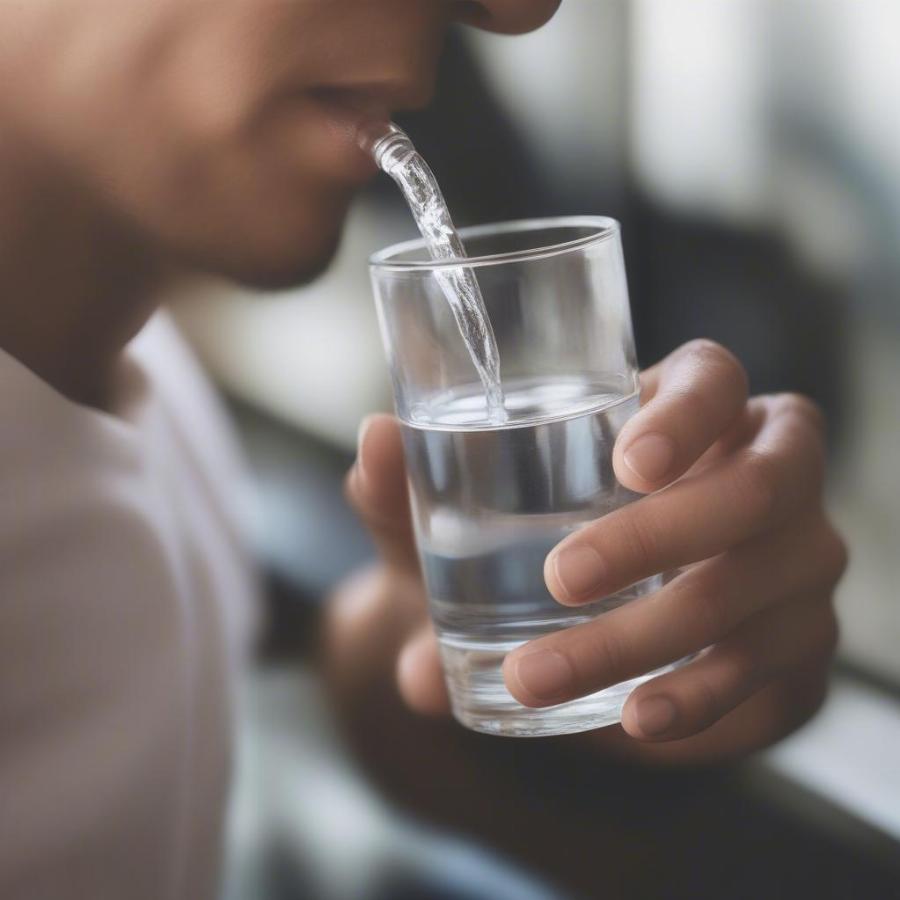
{"points": [[690, 399], [700, 607], [771, 713], [691, 699], [420, 676], [754, 490], [376, 488]]}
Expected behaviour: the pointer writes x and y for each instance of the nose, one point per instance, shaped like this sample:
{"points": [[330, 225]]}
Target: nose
{"points": [[504, 16]]}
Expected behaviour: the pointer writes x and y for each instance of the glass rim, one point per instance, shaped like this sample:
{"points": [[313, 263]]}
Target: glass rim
{"points": [[604, 227]]}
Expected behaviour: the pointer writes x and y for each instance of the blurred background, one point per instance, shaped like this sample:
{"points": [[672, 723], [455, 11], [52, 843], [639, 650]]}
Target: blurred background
{"points": [[751, 150]]}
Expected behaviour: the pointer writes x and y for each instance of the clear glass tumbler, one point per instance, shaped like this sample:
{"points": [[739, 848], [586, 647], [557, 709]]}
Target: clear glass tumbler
{"points": [[489, 501]]}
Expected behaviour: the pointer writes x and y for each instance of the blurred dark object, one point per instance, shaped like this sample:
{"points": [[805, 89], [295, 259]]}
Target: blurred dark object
{"points": [[694, 278]]}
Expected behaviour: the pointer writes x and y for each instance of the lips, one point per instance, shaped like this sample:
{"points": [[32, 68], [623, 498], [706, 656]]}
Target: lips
{"points": [[346, 114]]}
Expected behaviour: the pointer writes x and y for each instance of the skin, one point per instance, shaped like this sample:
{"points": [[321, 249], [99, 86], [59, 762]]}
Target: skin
{"points": [[733, 499], [143, 139]]}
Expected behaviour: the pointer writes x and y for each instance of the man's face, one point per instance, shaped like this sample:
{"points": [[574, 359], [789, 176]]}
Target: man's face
{"points": [[222, 130]]}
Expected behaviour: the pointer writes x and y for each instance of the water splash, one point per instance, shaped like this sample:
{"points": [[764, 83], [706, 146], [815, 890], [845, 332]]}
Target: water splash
{"points": [[395, 154]]}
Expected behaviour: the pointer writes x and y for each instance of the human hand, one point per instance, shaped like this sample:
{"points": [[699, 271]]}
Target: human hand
{"points": [[737, 506]]}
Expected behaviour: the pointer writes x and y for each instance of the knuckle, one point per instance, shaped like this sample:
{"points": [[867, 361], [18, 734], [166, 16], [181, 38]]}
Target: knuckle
{"points": [[609, 652], [700, 596], [744, 667], [710, 613], [705, 349], [710, 355], [803, 407], [641, 541], [807, 411], [706, 702], [757, 485], [806, 417]]}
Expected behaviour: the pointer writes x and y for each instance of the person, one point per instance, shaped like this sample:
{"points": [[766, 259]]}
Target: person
{"points": [[144, 141]]}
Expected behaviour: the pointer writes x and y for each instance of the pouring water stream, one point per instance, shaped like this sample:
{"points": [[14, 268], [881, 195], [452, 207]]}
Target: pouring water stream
{"points": [[395, 154]]}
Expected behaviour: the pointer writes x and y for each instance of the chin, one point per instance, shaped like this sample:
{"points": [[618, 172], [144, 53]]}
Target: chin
{"points": [[276, 255], [272, 271]]}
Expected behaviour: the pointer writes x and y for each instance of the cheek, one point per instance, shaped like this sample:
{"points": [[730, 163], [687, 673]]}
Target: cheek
{"points": [[247, 202], [179, 143]]}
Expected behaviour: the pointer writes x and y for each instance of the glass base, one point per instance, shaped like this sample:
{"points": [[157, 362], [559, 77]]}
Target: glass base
{"points": [[481, 701]]}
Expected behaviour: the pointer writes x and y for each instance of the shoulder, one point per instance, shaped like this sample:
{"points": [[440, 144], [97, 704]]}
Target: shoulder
{"points": [[79, 522]]}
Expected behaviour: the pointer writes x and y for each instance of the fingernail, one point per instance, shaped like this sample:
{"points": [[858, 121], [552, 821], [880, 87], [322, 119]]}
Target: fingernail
{"points": [[578, 569], [545, 674], [651, 456], [655, 715]]}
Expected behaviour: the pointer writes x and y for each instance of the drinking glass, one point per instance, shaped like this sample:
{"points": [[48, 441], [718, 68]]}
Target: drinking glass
{"points": [[489, 500]]}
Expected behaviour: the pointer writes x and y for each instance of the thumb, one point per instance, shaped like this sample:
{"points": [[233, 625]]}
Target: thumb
{"points": [[376, 488]]}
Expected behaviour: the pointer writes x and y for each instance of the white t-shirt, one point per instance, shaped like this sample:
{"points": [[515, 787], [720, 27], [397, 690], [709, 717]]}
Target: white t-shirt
{"points": [[125, 601]]}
